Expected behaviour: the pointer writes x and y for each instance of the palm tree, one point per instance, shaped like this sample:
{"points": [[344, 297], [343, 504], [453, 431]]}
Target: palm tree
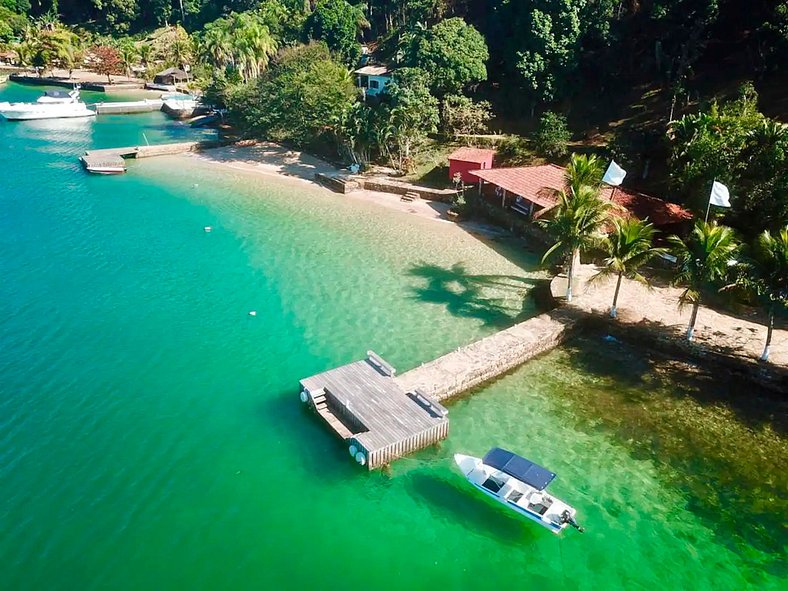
{"points": [[576, 224], [766, 274], [128, 54], [628, 246], [145, 52], [583, 170], [703, 259]]}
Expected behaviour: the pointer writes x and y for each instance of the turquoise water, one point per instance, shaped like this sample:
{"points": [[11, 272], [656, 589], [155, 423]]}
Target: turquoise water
{"points": [[151, 435]]}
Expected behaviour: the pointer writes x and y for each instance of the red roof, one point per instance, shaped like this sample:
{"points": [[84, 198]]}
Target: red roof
{"points": [[540, 184], [467, 154], [537, 183]]}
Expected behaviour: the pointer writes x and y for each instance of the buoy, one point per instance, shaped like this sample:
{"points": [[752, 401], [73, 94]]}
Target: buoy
{"points": [[304, 396], [252, 312], [353, 451], [207, 228], [195, 185], [361, 458]]}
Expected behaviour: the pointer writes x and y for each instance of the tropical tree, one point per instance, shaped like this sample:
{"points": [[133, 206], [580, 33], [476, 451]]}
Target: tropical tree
{"points": [[453, 53], [576, 225], [145, 51], [766, 274], [302, 98], [128, 55], [337, 23], [241, 41], [553, 135], [703, 258], [583, 170], [413, 115], [460, 115], [107, 61], [629, 246]]}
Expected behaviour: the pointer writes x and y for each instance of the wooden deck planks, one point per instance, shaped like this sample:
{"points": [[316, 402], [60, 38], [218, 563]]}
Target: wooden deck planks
{"points": [[376, 401]]}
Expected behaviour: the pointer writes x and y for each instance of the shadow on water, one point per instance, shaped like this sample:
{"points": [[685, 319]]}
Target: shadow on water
{"points": [[303, 436], [468, 296], [469, 509], [719, 441]]}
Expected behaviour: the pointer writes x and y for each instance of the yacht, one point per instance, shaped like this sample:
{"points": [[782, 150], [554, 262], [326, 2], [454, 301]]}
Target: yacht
{"points": [[54, 104], [520, 485]]}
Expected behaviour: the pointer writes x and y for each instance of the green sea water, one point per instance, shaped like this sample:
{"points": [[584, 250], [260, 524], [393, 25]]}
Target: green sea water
{"points": [[151, 435]]}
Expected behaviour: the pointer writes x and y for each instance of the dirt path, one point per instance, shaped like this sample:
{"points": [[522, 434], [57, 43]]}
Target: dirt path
{"points": [[637, 304]]}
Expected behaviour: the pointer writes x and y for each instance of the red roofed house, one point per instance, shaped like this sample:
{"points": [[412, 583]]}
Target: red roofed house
{"points": [[533, 191], [464, 160]]}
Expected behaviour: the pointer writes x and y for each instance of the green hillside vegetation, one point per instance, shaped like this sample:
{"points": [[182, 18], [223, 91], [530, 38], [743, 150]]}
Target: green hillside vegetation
{"points": [[680, 92]]}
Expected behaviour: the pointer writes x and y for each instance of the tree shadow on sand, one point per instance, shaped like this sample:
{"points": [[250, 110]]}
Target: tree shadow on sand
{"points": [[469, 296]]}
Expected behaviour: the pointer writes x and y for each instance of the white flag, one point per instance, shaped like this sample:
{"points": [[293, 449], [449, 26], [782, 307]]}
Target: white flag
{"points": [[720, 195], [614, 175]]}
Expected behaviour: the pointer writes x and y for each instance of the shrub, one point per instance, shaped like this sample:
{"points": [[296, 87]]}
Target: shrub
{"points": [[552, 137]]}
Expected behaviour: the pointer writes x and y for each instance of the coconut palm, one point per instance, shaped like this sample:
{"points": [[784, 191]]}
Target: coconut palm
{"points": [[583, 170], [128, 55], [145, 52], [576, 224], [703, 258], [766, 274], [629, 246]]}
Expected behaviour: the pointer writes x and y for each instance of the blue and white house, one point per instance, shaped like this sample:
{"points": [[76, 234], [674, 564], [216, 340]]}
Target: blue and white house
{"points": [[372, 80]]}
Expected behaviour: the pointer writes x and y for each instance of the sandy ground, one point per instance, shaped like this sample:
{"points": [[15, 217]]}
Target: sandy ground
{"points": [[637, 303], [79, 76], [272, 159]]}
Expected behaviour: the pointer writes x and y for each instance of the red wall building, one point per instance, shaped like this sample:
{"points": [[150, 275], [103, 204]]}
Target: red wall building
{"points": [[466, 159]]}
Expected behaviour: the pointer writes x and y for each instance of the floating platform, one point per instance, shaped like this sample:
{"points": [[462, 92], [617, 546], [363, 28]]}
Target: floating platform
{"points": [[364, 405], [129, 107], [98, 160]]}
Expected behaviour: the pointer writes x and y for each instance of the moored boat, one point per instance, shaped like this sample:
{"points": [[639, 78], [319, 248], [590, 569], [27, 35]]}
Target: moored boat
{"points": [[520, 485], [52, 105]]}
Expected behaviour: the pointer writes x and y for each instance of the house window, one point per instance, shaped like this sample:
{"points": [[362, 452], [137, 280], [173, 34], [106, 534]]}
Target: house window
{"points": [[363, 81], [375, 84]]}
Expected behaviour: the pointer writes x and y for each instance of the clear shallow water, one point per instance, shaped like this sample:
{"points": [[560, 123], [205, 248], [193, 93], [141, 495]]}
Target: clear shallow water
{"points": [[150, 434]]}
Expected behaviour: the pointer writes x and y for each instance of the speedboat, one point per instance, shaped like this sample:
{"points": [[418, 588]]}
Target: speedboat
{"points": [[520, 485], [52, 105]]}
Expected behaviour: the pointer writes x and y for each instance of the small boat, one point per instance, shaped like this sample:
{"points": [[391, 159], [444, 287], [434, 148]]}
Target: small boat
{"points": [[54, 104], [520, 485]]}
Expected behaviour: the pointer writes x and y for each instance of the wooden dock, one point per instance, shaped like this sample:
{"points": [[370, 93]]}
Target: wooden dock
{"points": [[365, 406], [116, 156], [382, 416]]}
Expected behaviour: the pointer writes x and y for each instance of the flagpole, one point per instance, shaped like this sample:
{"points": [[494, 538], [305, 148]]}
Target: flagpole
{"points": [[708, 206]]}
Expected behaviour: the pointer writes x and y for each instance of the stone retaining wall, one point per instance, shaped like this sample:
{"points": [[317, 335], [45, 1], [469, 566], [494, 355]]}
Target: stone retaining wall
{"points": [[400, 188], [336, 183]]}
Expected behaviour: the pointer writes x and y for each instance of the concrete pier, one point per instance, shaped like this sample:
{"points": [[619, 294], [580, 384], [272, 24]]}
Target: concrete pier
{"points": [[382, 416], [95, 158], [492, 356]]}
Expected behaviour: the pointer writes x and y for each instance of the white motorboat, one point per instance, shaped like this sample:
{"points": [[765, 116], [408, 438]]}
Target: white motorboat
{"points": [[53, 104], [520, 485]]}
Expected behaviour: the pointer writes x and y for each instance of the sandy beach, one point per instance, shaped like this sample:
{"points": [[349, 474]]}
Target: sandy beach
{"points": [[637, 303]]}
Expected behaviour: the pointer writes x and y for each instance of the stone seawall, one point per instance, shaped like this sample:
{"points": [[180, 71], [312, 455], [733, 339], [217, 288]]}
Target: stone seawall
{"points": [[489, 358], [400, 188]]}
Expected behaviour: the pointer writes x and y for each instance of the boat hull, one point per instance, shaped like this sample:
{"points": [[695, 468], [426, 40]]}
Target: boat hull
{"points": [[472, 467], [50, 111]]}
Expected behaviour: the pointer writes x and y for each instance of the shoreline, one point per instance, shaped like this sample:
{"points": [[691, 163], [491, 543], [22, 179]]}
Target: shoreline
{"points": [[718, 336]]}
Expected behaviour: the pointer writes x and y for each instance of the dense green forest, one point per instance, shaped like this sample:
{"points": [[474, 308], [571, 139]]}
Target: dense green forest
{"points": [[681, 92]]}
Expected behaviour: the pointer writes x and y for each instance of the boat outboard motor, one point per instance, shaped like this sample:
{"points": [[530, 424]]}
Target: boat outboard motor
{"points": [[567, 518]]}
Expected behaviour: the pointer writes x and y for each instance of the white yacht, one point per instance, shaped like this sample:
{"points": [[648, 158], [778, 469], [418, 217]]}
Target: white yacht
{"points": [[520, 485], [54, 104]]}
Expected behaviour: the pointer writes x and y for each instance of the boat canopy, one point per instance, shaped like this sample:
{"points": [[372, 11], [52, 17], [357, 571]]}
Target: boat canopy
{"points": [[58, 94], [517, 466]]}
